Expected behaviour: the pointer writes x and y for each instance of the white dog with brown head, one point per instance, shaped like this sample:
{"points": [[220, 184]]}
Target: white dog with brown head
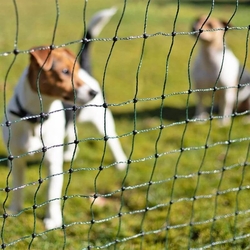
{"points": [[32, 128]]}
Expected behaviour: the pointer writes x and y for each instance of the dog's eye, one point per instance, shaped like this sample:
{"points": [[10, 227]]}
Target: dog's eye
{"points": [[210, 26], [65, 71]]}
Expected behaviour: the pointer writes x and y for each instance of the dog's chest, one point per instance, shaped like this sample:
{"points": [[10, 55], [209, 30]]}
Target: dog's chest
{"points": [[215, 67], [206, 69], [31, 137]]}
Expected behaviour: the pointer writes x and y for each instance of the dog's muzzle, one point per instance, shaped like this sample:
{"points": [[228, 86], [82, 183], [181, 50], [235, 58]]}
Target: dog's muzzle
{"points": [[85, 94]]}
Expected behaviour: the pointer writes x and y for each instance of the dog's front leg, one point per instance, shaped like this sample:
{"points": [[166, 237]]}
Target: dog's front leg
{"points": [[226, 105], [18, 172], [114, 144], [70, 148], [54, 160], [200, 110], [106, 124]]}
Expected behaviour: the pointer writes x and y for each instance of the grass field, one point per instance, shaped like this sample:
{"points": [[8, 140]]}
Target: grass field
{"points": [[186, 187]]}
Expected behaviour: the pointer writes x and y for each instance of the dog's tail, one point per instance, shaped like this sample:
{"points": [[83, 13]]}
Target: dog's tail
{"points": [[96, 24]]}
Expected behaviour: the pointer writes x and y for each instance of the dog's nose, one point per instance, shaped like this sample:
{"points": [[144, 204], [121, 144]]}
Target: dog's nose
{"points": [[93, 93]]}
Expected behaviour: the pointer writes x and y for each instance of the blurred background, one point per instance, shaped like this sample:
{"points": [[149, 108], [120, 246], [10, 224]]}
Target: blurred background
{"points": [[145, 69]]}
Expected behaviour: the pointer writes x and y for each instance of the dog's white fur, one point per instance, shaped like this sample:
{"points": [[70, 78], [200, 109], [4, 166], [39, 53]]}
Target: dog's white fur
{"points": [[212, 58]]}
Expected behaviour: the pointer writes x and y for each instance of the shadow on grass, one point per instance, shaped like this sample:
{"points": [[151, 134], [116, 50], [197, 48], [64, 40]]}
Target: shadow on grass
{"points": [[168, 113], [3, 160]]}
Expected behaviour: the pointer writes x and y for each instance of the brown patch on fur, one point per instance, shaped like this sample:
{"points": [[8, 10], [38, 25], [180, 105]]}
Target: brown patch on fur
{"points": [[51, 71]]}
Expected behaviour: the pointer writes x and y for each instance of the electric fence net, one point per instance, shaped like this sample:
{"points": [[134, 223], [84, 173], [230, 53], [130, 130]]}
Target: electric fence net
{"points": [[186, 182]]}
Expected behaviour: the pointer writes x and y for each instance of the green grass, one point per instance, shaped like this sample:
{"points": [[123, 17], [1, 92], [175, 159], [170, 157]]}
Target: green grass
{"points": [[174, 174]]}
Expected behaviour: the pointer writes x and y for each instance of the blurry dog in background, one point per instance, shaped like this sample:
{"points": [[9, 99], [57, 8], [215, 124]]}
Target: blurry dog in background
{"points": [[217, 66]]}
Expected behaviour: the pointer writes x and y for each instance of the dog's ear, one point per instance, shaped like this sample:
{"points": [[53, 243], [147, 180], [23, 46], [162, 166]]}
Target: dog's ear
{"points": [[43, 58], [225, 23]]}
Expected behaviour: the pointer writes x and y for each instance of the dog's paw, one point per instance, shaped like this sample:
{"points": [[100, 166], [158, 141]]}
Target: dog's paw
{"points": [[51, 223], [224, 122]]}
